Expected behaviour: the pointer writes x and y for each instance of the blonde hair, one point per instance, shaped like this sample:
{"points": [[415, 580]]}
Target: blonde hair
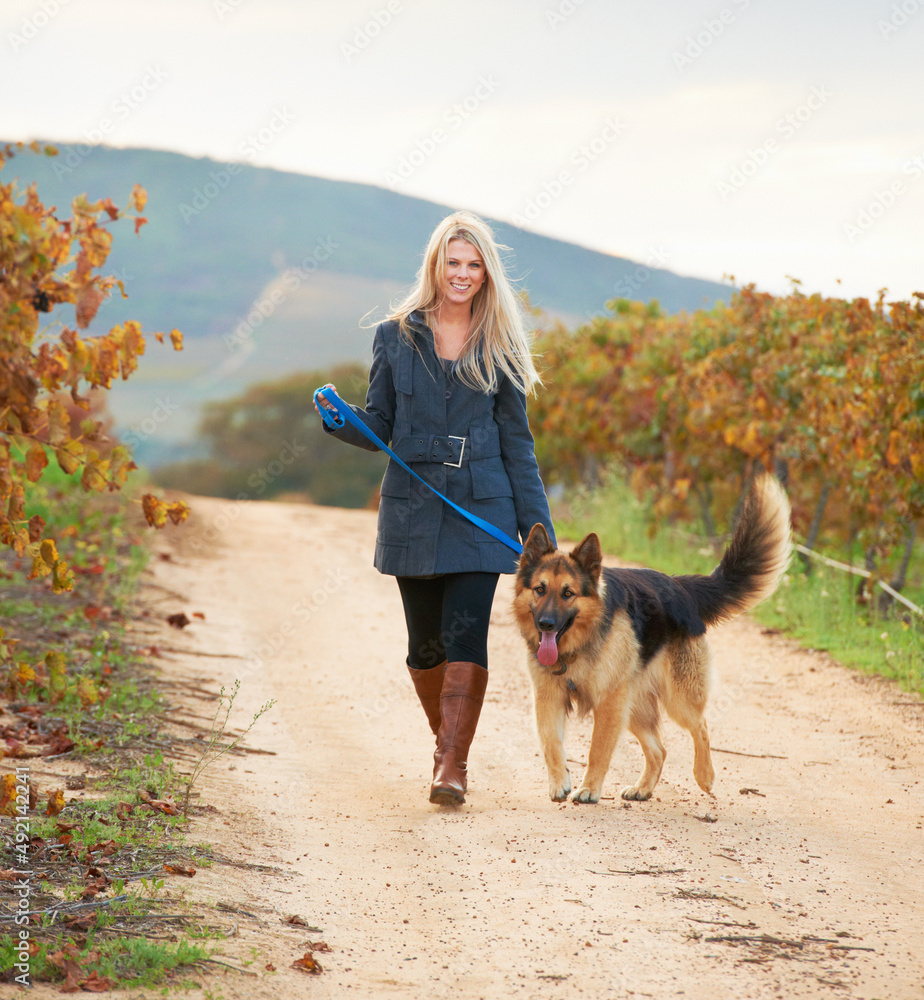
{"points": [[497, 344]]}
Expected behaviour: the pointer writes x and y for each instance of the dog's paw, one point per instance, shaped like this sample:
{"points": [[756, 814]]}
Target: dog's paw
{"points": [[560, 790], [586, 795], [635, 794]]}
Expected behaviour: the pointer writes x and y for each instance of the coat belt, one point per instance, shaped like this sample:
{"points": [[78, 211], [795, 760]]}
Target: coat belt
{"points": [[447, 449]]}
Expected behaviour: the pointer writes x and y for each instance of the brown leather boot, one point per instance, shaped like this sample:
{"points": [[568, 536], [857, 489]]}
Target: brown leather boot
{"points": [[461, 699], [428, 684]]}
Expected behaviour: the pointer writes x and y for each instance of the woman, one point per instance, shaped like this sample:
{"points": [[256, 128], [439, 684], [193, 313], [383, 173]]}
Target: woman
{"points": [[450, 372]]}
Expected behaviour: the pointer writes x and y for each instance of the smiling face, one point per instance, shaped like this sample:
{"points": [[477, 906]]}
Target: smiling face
{"points": [[464, 275]]}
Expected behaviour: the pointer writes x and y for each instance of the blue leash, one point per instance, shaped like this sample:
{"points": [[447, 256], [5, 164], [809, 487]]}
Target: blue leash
{"points": [[344, 414]]}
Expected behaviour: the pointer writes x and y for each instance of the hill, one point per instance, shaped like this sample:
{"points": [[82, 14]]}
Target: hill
{"points": [[268, 272]]}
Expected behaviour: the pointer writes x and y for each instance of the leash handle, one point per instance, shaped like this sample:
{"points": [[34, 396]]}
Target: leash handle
{"points": [[343, 414], [331, 418]]}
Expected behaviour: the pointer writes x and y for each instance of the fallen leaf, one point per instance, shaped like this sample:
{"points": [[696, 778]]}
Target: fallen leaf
{"points": [[318, 946], [166, 806], [8, 795], [93, 983], [55, 802], [178, 620], [180, 870], [308, 964]]}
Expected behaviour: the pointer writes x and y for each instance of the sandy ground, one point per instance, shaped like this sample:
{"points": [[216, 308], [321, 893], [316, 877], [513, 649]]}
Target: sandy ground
{"points": [[815, 830]]}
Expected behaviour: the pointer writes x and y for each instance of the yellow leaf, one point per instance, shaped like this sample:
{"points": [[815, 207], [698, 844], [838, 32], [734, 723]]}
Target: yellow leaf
{"points": [[94, 477], [8, 795], [68, 456], [49, 551], [62, 579], [25, 674], [40, 568], [139, 198], [155, 512], [86, 691], [176, 338], [55, 802], [177, 511]]}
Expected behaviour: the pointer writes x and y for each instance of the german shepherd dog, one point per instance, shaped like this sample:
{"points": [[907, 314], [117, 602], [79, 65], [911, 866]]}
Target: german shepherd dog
{"points": [[622, 642]]}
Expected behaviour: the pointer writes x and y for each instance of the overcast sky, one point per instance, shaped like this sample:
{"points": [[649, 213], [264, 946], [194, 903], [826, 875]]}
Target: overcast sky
{"points": [[754, 138]]}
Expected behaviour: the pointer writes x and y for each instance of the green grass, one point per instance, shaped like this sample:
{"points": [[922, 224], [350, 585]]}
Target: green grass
{"points": [[117, 740], [128, 962], [819, 610]]}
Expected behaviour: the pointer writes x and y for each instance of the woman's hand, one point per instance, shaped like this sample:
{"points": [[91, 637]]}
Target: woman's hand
{"points": [[327, 406]]}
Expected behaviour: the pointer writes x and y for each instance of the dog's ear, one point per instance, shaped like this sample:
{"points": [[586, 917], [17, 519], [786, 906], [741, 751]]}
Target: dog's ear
{"points": [[589, 557], [537, 545]]}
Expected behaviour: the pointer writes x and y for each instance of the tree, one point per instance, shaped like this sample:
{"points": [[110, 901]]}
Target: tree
{"points": [[47, 262]]}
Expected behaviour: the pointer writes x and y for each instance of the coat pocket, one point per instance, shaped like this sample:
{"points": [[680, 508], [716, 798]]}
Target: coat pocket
{"points": [[396, 482], [489, 480]]}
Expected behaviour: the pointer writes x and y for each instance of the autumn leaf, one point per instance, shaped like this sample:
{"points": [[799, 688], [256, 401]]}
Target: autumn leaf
{"points": [[178, 511], [87, 692], [180, 870], [87, 305], [62, 579], [176, 338], [36, 527], [36, 460], [55, 802], [94, 478], [308, 964], [8, 795], [139, 198], [155, 511], [166, 806], [94, 983], [69, 455]]}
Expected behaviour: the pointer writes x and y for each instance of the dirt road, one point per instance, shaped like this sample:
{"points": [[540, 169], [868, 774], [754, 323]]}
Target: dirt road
{"points": [[802, 877]]}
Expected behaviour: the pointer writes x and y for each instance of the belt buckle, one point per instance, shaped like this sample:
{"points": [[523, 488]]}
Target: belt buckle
{"points": [[456, 437]]}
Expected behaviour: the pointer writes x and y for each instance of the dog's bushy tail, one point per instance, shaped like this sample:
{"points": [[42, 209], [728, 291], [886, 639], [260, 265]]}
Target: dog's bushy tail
{"points": [[755, 559]]}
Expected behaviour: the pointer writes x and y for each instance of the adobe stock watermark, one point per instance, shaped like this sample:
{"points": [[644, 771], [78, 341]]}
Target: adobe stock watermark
{"points": [[713, 28], [581, 160], [453, 118], [32, 26], [162, 411], [560, 13], [757, 157], [121, 109], [366, 33], [301, 613], [225, 7], [628, 285], [292, 279], [884, 199], [23, 887], [900, 15], [219, 179]]}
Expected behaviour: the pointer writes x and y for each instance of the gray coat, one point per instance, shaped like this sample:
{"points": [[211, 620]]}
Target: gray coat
{"points": [[422, 411]]}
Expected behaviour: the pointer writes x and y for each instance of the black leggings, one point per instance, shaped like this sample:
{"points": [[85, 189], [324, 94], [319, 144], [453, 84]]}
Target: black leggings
{"points": [[447, 617]]}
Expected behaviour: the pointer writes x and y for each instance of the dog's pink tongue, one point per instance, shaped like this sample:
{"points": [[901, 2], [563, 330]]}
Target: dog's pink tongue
{"points": [[548, 649]]}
